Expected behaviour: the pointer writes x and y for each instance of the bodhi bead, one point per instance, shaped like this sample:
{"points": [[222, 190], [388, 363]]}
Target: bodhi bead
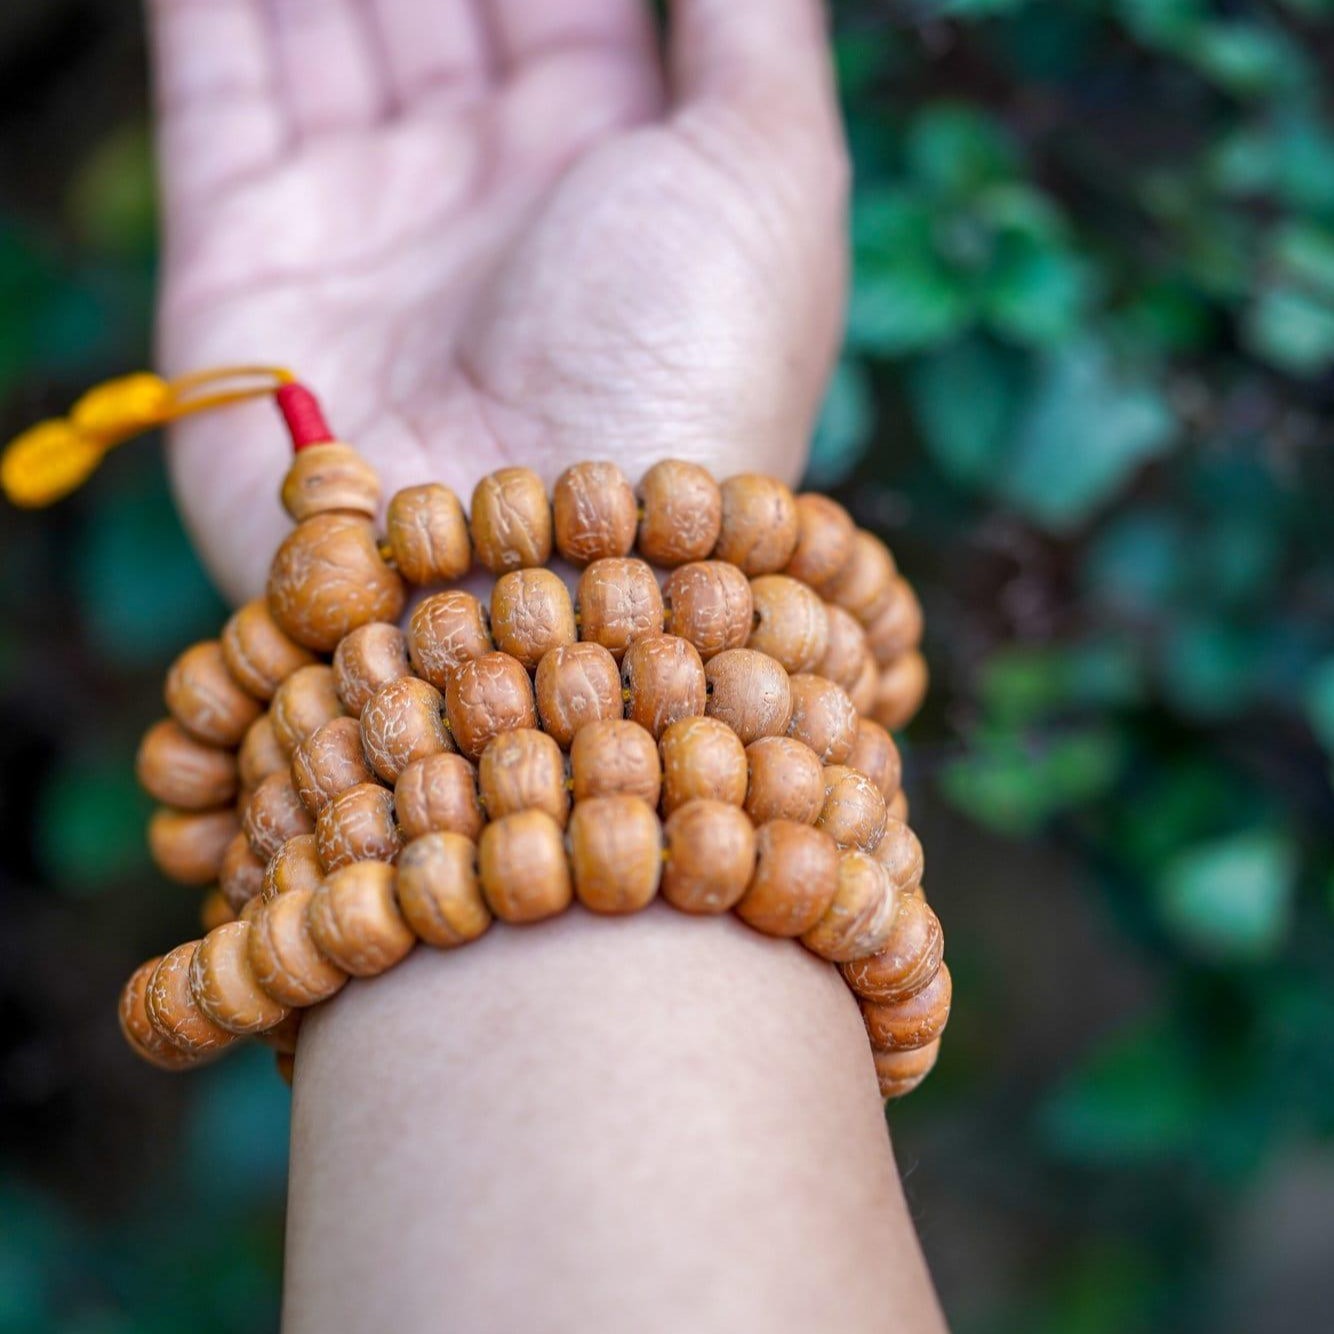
{"points": [[173, 1011], [303, 704], [594, 512], [750, 692], [898, 628], [908, 1024], [179, 771], [487, 696], [663, 681], [682, 513], [531, 614], [786, 781], [260, 754], [447, 630], [284, 957], [522, 867], [709, 603], [875, 754], [328, 577], [900, 853], [860, 920], [853, 813], [296, 865], [790, 623], [241, 875], [438, 793], [329, 762], [357, 826], [188, 846], [438, 891], [846, 653], [224, 985], [617, 756], [863, 691], [899, 1072], [618, 602], [900, 691], [523, 770], [615, 853], [824, 539], [759, 524], [710, 856], [259, 656], [795, 879], [144, 1040], [330, 477], [576, 684], [865, 584], [214, 910], [402, 723], [202, 697], [702, 758], [909, 959], [823, 717], [898, 806], [275, 814], [367, 660], [511, 520], [355, 920], [427, 533]]}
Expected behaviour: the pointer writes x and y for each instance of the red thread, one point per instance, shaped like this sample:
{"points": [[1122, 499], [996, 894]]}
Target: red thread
{"points": [[301, 411]]}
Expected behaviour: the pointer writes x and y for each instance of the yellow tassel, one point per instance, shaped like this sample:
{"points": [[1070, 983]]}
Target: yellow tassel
{"points": [[48, 461]]}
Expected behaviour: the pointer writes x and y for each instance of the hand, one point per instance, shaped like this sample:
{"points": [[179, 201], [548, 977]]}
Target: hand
{"points": [[493, 231]]}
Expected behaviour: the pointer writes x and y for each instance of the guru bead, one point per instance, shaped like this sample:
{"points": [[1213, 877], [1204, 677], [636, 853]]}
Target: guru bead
{"points": [[853, 813], [203, 698], [710, 856], [511, 520], [786, 781], [523, 770], [403, 722], [438, 793], [900, 691], [795, 879], [330, 477], [447, 630], [531, 614], [615, 853], [682, 513], [179, 771], [575, 685], [427, 533], [328, 577], [911, 1023], [224, 985], [188, 846], [909, 959], [709, 603], [617, 756], [618, 602], [275, 814], [898, 628], [173, 1011], [367, 660], [438, 892], [283, 955], [357, 826], [594, 512], [303, 704], [790, 623], [664, 682], [355, 920], [875, 754], [144, 1040], [296, 865], [823, 717], [259, 656], [487, 696], [329, 762], [522, 867], [865, 584], [899, 1072], [846, 653], [260, 754], [749, 692], [824, 540], [241, 875], [702, 757], [860, 920]]}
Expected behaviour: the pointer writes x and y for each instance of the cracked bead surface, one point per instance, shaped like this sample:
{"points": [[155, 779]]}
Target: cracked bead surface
{"points": [[224, 985], [188, 846], [617, 756], [875, 753], [860, 920], [523, 770], [789, 622], [330, 477], [759, 524], [795, 879], [900, 853], [275, 814], [750, 692], [663, 678], [710, 859], [846, 653], [682, 513], [786, 781], [594, 512], [900, 691], [358, 825], [446, 630], [329, 762], [702, 758], [511, 520], [401, 723], [259, 656], [909, 959], [367, 660], [919, 1019], [522, 867], [485, 697], [427, 533], [172, 1010], [899, 1072], [355, 920], [260, 754], [438, 890], [241, 874], [823, 717], [576, 684], [296, 865], [898, 628], [178, 770], [865, 584], [303, 704], [145, 1040], [710, 604], [824, 539], [854, 811], [438, 793], [618, 602], [615, 853], [204, 699], [286, 962], [531, 614]]}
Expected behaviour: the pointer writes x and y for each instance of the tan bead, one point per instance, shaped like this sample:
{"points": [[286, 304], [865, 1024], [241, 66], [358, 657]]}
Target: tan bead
{"points": [[172, 1010], [523, 770], [619, 601], [260, 754], [522, 867], [908, 1024], [303, 704], [664, 682], [702, 758], [214, 910], [401, 723], [447, 630], [615, 853], [286, 961], [795, 879], [575, 685], [617, 756], [282, 1037], [865, 584], [900, 853], [860, 920], [511, 520], [710, 849], [846, 654], [367, 660], [709, 603], [296, 865], [863, 692], [438, 793], [251, 909], [259, 656], [275, 814], [898, 628], [188, 846], [790, 623], [330, 477], [358, 826], [285, 1064], [909, 959], [750, 692], [823, 717], [179, 771], [144, 1040], [203, 698], [898, 806], [900, 691], [786, 781], [241, 875], [759, 529], [485, 697], [329, 762], [224, 985], [427, 533], [355, 920], [595, 513], [531, 614], [874, 754], [683, 511], [853, 813], [824, 539], [899, 1072], [438, 891]]}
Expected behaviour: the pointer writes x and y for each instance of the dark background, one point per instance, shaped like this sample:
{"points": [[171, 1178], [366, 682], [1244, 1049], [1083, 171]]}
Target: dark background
{"points": [[1087, 399]]}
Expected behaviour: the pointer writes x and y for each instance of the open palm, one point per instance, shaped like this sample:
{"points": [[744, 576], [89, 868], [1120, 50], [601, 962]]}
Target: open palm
{"points": [[488, 231]]}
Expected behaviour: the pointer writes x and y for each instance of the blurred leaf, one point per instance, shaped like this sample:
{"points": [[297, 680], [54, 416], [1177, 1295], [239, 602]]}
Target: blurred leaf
{"points": [[847, 420], [1247, 59], [1210, 667], [1021, 686], [956, 149], [1035, 292], [1320, 704], [1139, 562], [112, 199]]}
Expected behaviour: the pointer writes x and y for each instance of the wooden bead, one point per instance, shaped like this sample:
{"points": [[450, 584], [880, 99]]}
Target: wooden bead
{"points": [[824, 539], [283, 955], [576, 684], [251, 909], [702, 758], [710, 849], [795, 879], [203, 698], [522, 867], [355, 920], [330, 477], [275, 814], [329, 762], [900, 853], [179, 771], [709, 603], [899, 1072], [786, 781], [303, 704], [260, 754], [259, 656], [790, 623], [823, 717], [511, 520], [863, 692], [860, 920], [682, 513], [853, 813], [224, 985], [401, 723], [908, 1024], [447, 630], [617, 756], [282, 1037], [594, 512], [898, 806], [900, 691], [485, 697], [241, 875], [188, 846], [865, 583], [898, 628], [759, 528], [328, 577], [531, 614], [846, 652], [171, 1008], [523, 770], [214, 910], [285, 1064], [750, 692], [367, 660], [615, 853], [427, 533], [144, 1040], [358, 826], [296, 865], [663, 679], [875, 754], [619, 601], [909, 959], [438, 793], [438, 890]]}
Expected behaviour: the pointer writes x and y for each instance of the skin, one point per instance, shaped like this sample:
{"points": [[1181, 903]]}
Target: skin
{"points": [[533, 233]]}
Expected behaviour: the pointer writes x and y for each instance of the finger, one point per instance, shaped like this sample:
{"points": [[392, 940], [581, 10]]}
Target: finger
{"points": [[433, 48], [619, 29]]}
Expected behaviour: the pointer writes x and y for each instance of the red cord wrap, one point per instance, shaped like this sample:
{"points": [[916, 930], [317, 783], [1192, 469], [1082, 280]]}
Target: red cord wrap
{"points": [[301, 412]]}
